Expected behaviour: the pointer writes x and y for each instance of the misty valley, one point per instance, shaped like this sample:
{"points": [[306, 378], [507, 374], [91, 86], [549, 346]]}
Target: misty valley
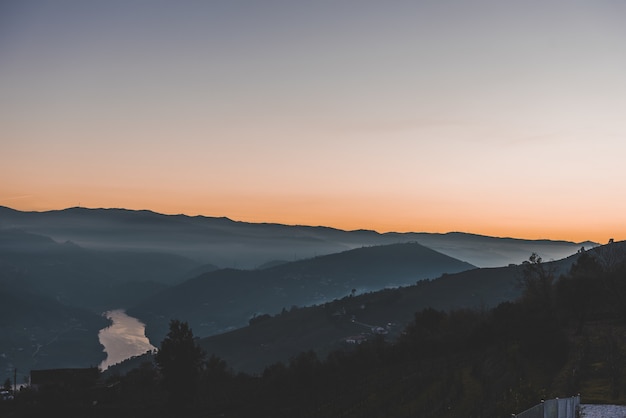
{"points": [[86, 288]]}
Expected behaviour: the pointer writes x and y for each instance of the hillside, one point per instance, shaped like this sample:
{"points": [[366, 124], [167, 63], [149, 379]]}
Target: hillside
{"points": [[39, 332], [229, 243], [93, 279], [228, 299], [325, 328]]}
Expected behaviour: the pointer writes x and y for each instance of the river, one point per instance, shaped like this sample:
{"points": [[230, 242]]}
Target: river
{"points": [[125, 338]]}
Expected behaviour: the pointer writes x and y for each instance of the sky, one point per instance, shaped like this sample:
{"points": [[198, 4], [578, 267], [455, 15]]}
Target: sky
{"points": [[503, 118]]}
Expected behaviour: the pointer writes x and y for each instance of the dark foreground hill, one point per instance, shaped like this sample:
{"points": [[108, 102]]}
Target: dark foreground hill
{"points": [[228, 299], [228, 243]]}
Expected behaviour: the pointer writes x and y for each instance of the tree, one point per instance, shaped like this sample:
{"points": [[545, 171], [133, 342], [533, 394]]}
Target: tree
{"points": [[536, 282], [542, 338], [611, 256], [579, 291], [180, 361]]}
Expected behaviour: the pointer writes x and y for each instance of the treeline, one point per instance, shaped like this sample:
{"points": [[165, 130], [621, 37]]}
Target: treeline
{"points": [[565, 335]]}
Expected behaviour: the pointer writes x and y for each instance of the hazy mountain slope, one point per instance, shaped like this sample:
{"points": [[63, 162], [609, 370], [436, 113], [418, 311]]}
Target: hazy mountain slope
{"points": [[326, 327], [486, 251], [215, 240], [224, 299], [89, 278], [197, 271], [247, 245], [39, 332]]}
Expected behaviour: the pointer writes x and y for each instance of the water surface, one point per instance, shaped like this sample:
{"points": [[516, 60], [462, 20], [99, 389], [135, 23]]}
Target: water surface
{"points": [[125, 338]]}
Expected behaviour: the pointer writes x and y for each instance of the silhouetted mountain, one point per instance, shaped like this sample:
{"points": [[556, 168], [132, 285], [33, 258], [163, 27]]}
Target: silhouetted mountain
{"points": [[228, 243], [225, 299]]}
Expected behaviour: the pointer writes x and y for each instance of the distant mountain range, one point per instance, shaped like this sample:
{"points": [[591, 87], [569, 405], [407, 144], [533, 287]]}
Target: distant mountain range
{"points": [[60, 269], [227, 243]]}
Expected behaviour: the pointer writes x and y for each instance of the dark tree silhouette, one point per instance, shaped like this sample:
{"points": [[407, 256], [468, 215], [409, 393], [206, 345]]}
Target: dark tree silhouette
{"points": [[579, 292], [536, 282], [180, 361]]}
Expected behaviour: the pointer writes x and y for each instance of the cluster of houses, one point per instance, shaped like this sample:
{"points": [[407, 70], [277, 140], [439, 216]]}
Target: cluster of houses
{"points": [[361, 338]]}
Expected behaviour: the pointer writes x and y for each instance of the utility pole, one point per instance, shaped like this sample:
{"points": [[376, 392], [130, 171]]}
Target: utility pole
{"points": [[14, 381]]}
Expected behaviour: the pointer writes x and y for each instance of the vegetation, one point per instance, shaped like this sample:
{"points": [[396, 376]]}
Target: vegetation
{"points": [[180, 361], [565, 335]]}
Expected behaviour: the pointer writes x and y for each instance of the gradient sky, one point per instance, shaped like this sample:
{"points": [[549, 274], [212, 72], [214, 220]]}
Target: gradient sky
{"points": [[503, 118]]}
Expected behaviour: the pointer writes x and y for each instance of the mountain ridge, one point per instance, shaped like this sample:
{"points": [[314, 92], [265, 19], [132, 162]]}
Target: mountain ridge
{"points": [[230, 243]]}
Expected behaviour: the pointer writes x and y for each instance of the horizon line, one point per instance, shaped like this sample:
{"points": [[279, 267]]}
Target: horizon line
{"points": [[199, 215]]}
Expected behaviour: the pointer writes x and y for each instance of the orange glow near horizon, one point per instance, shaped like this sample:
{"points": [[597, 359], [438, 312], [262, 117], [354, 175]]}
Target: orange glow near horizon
{"points": [[345, 214]]}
